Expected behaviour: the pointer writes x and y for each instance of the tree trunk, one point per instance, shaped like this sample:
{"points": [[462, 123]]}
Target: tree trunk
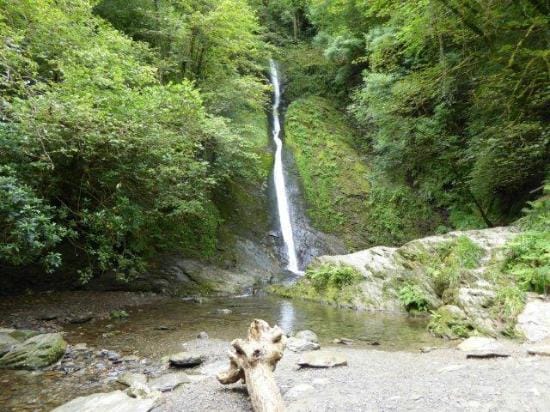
{"points": [[253, 360]]}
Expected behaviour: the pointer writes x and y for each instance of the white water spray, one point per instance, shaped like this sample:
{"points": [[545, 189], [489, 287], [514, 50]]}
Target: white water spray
{"points": [[279, 178]]}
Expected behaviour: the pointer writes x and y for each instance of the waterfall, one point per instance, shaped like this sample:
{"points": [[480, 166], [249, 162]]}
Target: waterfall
{"points": [[279, 177]]}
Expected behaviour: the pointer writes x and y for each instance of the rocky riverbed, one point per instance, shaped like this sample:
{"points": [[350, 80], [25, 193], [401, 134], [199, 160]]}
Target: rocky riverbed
{"points": [[155, 349], [441, 379]]}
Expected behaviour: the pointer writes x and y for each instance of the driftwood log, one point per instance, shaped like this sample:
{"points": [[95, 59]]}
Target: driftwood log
{"points": [[253, 361]]}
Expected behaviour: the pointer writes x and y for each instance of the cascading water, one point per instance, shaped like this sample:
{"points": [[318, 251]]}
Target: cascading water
{"points": [[279, 177]]}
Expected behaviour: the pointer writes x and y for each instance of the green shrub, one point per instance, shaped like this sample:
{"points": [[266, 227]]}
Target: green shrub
{"points": [[332, 276], [446, 324], [450, 262], [413, 298], [528, 260]]}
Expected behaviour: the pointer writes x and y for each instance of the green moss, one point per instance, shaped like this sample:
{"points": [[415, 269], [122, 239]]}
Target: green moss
{"points": [[449, 324], [413, 298], [119, 314], [333, 284], [528, 260], [243, 203], [446, 264], [343, 197]]}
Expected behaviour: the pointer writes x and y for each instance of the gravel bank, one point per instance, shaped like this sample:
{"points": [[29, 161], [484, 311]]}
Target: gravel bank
{"points": [[442, 380]]}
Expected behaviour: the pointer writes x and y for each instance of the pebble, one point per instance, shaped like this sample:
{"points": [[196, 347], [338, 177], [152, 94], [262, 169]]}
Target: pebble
{"points": [[224, 311], [185, 359]]}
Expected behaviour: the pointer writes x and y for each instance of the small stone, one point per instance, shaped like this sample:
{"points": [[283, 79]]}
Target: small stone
{"points": [[540, 350], [142, 391], [185, 359], [202, 335], [80, 347], [427, 349], [119, 314], [308, 335], [162, 327], [301, 345], [48, 316], [322, 359], [486, 354], [132, 379], [224, 311], [70, 367], [169, 381], [82, 318], [343, 341], [130, 358]]}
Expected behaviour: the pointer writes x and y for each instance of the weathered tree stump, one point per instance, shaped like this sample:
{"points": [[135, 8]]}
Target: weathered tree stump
{"points": [[253, 360]]}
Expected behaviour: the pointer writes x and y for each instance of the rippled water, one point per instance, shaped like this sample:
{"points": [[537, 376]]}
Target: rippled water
{"points": [[185, 320]]}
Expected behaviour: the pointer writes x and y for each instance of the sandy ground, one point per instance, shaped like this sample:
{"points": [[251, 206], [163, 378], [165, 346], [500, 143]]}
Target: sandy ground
{"points": [[441, 380]]}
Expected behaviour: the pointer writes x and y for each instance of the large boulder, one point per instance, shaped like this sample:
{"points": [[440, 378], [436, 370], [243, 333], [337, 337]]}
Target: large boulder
{"points": [[116, 401], [35, 353], [534, 321]]}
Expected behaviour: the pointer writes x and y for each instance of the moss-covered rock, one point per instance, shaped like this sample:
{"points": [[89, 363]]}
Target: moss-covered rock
{"points": [[450, 322], [35, 353], [450, 275], [343, 196]]}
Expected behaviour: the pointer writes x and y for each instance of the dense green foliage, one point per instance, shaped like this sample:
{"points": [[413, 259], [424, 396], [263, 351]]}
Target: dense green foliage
{"points": [[130, 128], [528, 255], [325, 276], [328, 283], [449, 97], [109, 153], [413, 299]]}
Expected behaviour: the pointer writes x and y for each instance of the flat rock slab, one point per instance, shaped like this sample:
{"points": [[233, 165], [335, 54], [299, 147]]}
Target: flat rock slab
{"points": [[541, 350], [186, 359], [486, 354], [534, 321], [116, 401], [169, 381], [301, 345], [322, 359], [132, 379], [35, 353], [480, 343]]}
